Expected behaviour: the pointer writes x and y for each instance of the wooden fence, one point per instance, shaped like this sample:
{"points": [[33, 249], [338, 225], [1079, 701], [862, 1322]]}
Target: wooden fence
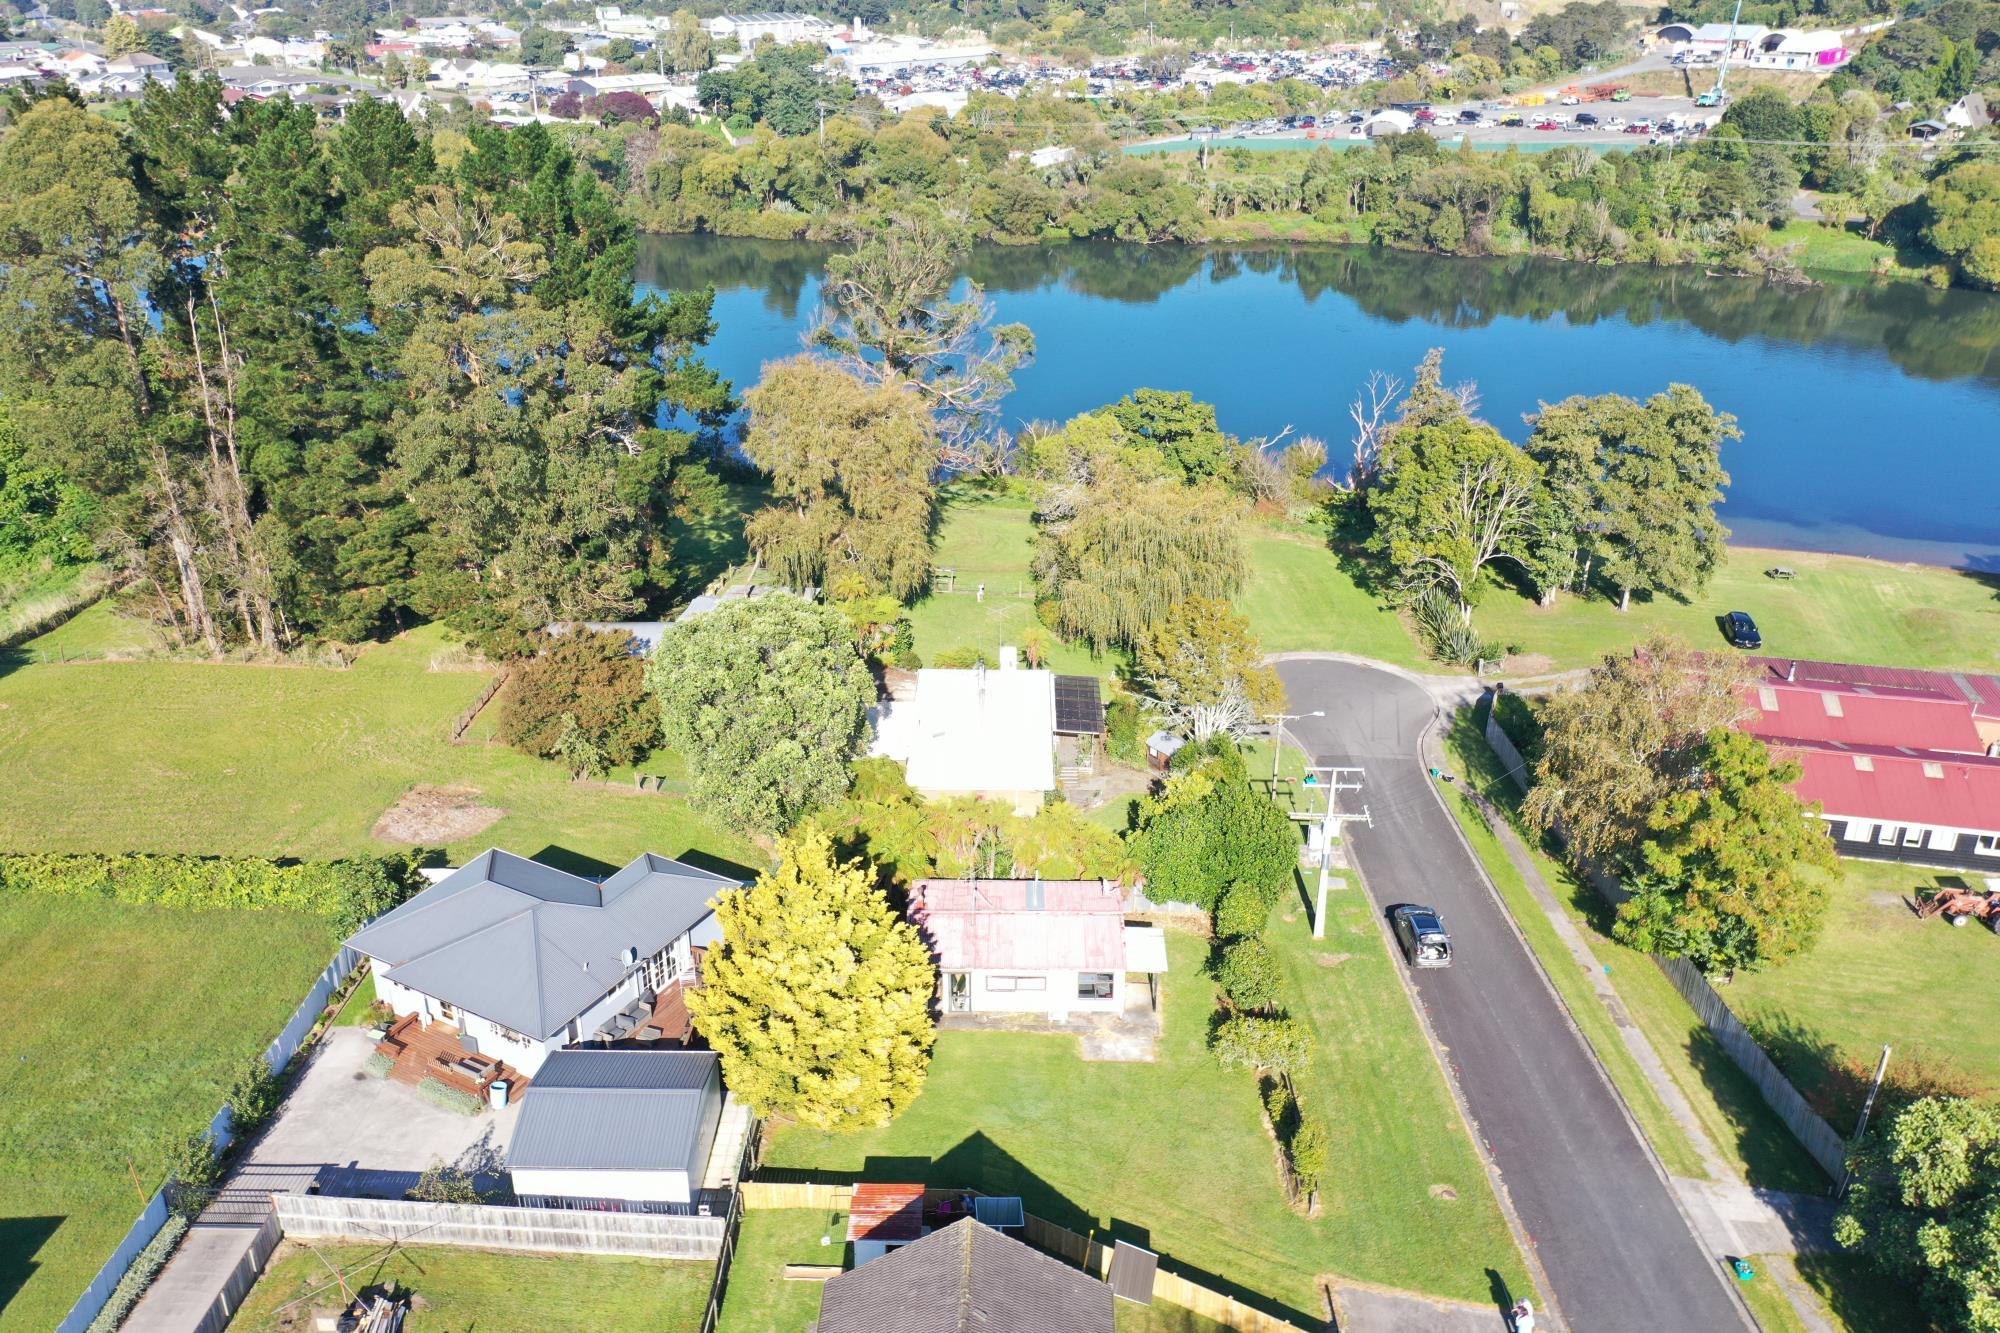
{"points": [[1813, 1133], [550, 1230], [1092, 1256]]}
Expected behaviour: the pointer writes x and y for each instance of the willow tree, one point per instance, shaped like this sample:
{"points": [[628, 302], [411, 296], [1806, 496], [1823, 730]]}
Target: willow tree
{"points": [[851, 466], [1119, 557], [818, 998]]}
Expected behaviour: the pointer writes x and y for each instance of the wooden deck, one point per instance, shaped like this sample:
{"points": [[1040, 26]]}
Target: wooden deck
{"points": [[423, 1051]]}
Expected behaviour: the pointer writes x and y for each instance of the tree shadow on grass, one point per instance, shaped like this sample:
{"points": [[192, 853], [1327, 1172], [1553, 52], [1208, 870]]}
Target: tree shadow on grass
{"points": [[575, 863], [21, 1239]]}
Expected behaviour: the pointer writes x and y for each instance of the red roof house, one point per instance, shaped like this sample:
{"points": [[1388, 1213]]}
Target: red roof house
{"points": [[1033, 945]]}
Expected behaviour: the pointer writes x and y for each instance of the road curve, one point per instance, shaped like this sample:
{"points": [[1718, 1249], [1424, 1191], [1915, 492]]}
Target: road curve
{"points": [[1605, 1227]]}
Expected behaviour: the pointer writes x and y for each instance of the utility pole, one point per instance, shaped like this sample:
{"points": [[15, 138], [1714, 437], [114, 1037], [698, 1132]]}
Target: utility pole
{"points": [[1329, 822], [1278, 721], [821, 108]]}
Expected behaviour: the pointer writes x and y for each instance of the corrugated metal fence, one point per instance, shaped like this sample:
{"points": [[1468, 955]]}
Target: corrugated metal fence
{"points": [[1092, 1256], [1817, 1137], [154, 1215], [549, 1230]]}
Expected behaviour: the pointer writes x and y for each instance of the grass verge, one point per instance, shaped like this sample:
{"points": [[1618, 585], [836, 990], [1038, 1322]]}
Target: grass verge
{"points": [[757, 1298], [119, 1025], [485, 1290]]}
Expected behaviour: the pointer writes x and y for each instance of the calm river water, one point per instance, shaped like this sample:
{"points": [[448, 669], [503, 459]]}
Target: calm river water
{"points": [[1870, 414]]}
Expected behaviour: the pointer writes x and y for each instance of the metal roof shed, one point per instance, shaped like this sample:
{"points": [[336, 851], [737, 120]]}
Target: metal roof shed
{"points": [[626, 1131]]}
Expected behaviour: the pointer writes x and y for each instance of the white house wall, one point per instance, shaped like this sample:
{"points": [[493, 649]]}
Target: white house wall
{"points": [[637, 1186], [1057, 997]]}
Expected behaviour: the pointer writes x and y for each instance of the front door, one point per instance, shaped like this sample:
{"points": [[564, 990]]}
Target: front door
{"points": [[958, 987]]}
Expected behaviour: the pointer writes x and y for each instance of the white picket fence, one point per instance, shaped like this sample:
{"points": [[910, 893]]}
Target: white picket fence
{"points": [[547, 1230]]}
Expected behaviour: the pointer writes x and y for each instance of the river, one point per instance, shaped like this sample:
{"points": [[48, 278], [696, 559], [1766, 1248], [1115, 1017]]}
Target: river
{"points": [[1870, 413]]}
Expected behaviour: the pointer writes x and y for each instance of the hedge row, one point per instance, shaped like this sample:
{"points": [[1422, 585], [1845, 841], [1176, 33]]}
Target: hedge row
{"points": [[146, 1266], [347, 893], [435, 1089]]}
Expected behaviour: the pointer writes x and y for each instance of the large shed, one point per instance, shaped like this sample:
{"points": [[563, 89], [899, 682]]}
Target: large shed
{"points": [[617, 1131]]}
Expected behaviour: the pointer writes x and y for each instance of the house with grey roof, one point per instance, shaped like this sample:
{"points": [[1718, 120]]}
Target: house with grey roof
{"points": [[961, 1279], [617, 1130], [514, 960]]}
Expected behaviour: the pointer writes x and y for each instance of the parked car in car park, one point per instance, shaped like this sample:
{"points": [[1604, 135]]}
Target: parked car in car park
{"points": [[1585, 118], [1570, 99], [1421, 935]]}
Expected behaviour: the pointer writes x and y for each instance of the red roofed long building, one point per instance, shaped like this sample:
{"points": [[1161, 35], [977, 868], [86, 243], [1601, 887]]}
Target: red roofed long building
{"points": [[1049, 946], [1904, 764]]}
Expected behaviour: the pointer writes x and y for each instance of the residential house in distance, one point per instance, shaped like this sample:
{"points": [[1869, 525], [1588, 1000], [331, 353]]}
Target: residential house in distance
{"points": [[991, 733], [1055, 947], [623, 1131], [965, 1276], [506, 961], [782, 28], [1905, 764]]}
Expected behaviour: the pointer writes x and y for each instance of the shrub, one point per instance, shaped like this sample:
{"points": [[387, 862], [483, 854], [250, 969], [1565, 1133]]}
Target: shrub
{"points": [[959, 659], [1445, 634], [194, 1166], [1248, 974], [347, 893], [146, 1266], [444, 1183], [254, 1095], [1309, 1150], [1281, 1107], [1209, 831], [435, 1089], [1251, 1041], [1242, 912], [378, 1065], [586, 683], [1125, 731]]}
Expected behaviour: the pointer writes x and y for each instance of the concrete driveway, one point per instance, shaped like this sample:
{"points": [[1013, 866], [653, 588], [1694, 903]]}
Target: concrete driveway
{"points": [[1602, 1218]]}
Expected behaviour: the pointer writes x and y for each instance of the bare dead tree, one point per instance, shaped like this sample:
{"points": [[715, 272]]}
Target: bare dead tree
{"points": [[1371, 413]]}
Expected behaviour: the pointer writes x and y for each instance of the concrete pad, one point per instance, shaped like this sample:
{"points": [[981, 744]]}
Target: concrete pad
{"points": [[1735, 1220], [1373, 1310]]}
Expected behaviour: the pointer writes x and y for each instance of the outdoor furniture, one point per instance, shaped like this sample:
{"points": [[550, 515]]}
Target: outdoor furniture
{"points": [[1779, 572]]}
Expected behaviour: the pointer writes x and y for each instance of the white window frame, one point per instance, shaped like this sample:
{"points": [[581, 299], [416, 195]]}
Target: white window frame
{"points": [[1888, 835], [1864, 763], [1913, 835], [1986, 844], [1106, 989]]}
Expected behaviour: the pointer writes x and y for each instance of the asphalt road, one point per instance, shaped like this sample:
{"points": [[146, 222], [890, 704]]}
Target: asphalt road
{"points": [[1605, 1228]]}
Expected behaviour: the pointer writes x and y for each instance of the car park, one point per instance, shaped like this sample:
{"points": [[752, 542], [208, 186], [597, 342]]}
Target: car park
{"points": [[1742, 630], [1421, 935]]}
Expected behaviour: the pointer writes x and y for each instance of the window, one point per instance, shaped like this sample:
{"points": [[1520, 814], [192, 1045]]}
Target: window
{"points": [[1932, 770], [1988, 844], [1887, 837], [1767, 699], [1859, 830], [1016, 983], [662, 968], [1093, 985], [1832, 702], [1864, 763], [1913, 836]]}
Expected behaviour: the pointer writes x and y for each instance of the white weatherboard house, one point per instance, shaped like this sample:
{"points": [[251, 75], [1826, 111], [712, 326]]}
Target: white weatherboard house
{"points": [[1037, 946], [617, 1131], [522, 959], [976, 733]]}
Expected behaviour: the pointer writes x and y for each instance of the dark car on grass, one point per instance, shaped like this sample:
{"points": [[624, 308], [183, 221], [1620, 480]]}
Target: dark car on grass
{"points": [[1742, 630], [1420, 933]]}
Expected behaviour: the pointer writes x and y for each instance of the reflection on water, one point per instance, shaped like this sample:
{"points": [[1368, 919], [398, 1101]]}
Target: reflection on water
{"points": [[1871, 414]]}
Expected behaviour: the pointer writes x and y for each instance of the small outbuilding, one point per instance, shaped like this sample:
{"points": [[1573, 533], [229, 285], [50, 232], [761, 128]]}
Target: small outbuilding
{"points": [[881, 1218], [617, 1130], [962, 1277], [1385, 123]]}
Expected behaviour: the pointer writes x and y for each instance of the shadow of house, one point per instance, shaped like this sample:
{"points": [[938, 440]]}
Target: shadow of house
{"points": [[718, 865], [575, 863], [21, 1239]]}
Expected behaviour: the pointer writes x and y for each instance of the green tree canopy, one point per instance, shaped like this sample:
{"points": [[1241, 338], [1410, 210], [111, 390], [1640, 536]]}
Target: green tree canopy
{"points": [[1203, 669], [1924, 1207], [767, 699], [818, 999], [1114, 557], [1185, 432], [851, 478], [1207, 833], [1617, 747], [590, 681], [1451, 499], [1726, 877]]}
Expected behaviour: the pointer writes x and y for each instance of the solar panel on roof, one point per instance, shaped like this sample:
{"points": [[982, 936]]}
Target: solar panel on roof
{"points": [[1079, 707], [1132, 1271]]}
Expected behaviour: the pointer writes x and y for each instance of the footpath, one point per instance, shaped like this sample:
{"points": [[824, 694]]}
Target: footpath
{"points": [[1729, 1215]]}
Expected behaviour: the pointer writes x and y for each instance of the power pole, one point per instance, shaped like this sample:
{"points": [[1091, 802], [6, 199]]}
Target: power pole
{"points": [[821, 108], [1329, 822]]}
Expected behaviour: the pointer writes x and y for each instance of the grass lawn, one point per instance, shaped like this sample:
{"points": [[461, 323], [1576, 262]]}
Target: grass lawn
{"points": [[291, 761], [1876, 978], [985, 540], [1831, 249], [483, 1291], [354, 1009], [1744, 1129], [1840, 608], [1173, 1155], [757, 1298], [1300, 598], [118, 1026]]}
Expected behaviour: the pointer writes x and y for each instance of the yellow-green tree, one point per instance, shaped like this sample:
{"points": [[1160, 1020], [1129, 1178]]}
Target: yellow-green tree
{"points": [[818, 999], [1203, 669], [122, 36]]}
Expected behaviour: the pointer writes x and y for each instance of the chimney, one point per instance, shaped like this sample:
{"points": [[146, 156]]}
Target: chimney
{"points": [[1010, 658], [1792, 671]]}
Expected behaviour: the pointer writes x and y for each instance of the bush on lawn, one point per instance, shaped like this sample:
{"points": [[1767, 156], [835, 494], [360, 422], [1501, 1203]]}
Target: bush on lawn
{"points": [[194, 1167], [1248, 974], [1242, 912], [347, 893], [443, 1183], [254, 1095], [1208, 832], [378, 1065], [434, 1089], [146, 1266], [1309, 1149], [1281, 1107], [1251, 1041]]}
